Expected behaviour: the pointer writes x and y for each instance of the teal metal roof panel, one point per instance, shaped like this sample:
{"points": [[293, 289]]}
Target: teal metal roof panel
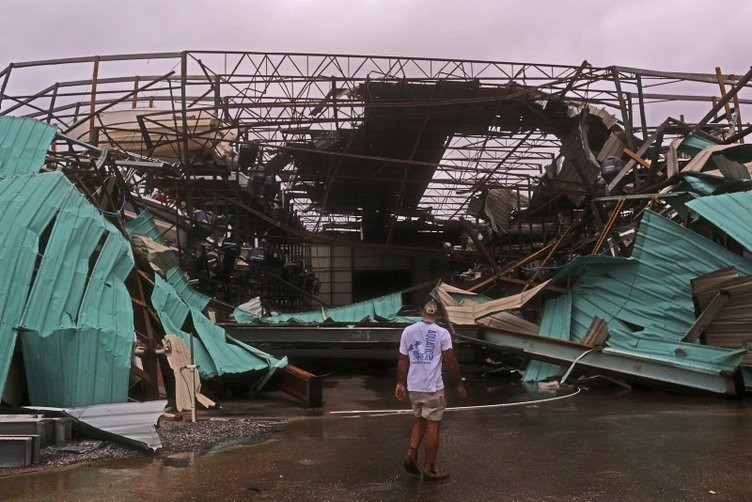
{"points": [[730, 212], [555, 323], [144, 224], [655, 293], [581, 264], [184, 290], [65, 268], [23, 145], [214, 352], [383, 308]]}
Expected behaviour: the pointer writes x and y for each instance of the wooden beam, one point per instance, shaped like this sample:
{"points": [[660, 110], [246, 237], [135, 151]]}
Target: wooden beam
{"points": [[609, 226], [637, 158], [301, 384]]}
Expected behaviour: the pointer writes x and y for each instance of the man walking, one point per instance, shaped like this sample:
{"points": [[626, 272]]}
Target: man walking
{"points": [[425, 347]]}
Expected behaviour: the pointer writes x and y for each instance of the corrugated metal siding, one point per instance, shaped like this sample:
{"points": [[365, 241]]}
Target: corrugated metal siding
{"points": [[655, 293], [499, 204], [213, 352], [184, 290], [556, 322], [132, 423], [144, 224], [381, 308], [731, 326], [23, 145], [730, 212], [76, 322]]}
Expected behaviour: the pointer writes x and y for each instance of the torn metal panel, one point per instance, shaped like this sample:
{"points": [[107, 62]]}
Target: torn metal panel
{"points": [[132, 424], [655, 291], [498, 207], [214, 352], [383, 308], [704, 160], [154, 132], [145, 225], [556, 322], [507, 303], [730, 324], [706, 286], [23, 145], [648, 302], [465, 308], [614, 147], [177, 280], [730, 212], [66, 266]]}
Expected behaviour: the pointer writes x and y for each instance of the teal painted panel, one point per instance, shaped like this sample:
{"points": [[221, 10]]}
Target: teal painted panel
{"points": [[184, 290], [23, 145], [383, 308], [730, 212], [214, 352], [69, 302], [555, 323], [228, 358], [655, 292], [699, 184], [27, 205], [692, 144], [144, 224], [243, 317], [75, 367]]}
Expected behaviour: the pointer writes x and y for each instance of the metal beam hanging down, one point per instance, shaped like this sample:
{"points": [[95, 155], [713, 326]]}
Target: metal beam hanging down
{"points": [[626, 116], [93, 102]]}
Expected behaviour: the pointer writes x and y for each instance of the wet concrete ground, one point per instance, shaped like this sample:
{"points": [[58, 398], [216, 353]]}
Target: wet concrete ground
{"points": [[601, 443]]}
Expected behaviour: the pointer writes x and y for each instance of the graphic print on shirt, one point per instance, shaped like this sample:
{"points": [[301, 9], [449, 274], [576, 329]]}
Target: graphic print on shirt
{"points": [[424, 356]]}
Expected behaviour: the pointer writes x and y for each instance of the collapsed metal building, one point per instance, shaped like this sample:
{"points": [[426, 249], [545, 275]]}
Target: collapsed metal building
{"points": [[595, 203]]}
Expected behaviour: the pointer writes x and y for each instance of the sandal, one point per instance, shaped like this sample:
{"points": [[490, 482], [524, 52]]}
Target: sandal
{"points": [[411, 462], [435, 474]]}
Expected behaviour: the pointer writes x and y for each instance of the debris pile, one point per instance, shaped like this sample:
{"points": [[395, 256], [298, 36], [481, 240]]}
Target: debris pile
{"points": [[569, 214]]}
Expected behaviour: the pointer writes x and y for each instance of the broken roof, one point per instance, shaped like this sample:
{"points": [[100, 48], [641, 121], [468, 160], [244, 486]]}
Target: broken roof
{"points": [[64, 295]]}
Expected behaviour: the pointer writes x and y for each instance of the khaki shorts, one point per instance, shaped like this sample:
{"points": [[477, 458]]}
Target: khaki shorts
{"points": [[429, 405]]}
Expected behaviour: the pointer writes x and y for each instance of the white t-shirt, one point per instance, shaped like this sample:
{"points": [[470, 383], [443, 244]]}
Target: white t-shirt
{"points": [[423, 343]]}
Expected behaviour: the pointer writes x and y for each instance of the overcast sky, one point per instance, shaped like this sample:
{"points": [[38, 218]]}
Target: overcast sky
{"points": [[681, 35]]}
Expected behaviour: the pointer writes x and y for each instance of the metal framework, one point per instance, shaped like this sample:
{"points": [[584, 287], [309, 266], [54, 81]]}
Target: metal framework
{"points": [[356, 143]]}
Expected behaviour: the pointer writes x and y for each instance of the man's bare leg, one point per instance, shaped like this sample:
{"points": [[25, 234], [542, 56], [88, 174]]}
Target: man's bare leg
{"points": [[416, 437], [432, 451]]}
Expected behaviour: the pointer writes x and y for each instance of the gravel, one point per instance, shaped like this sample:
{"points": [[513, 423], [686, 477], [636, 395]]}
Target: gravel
{"points": [[176, 436]]}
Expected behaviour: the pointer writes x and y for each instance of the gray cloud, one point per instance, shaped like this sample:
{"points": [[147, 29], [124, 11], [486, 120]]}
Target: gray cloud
{"points": [[685, 35]]}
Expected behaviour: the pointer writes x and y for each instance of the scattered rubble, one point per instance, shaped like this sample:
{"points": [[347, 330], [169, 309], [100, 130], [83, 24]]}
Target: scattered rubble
{"points": [[176, 436]]}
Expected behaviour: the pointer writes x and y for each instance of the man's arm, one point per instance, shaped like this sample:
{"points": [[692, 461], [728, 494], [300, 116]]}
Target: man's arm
{"points": [[453, 371], [403, 364]]}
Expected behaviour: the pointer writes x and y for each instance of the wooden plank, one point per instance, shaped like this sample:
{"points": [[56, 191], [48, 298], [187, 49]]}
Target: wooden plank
{"points": [[643, 162], [299, 383], [597, 333], [179, 357]]}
